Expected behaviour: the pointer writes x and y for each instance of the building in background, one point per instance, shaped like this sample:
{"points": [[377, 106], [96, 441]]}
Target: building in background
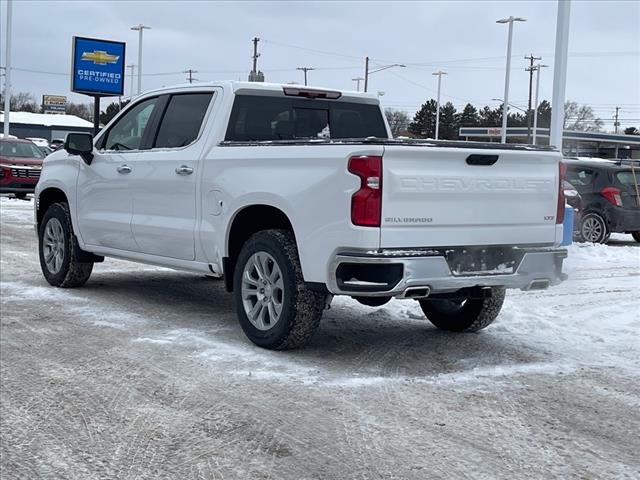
{"points": [[574, 143], [42, 125]]}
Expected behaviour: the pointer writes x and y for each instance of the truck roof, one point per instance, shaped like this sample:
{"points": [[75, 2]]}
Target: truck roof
{"points": [[261, 88]]}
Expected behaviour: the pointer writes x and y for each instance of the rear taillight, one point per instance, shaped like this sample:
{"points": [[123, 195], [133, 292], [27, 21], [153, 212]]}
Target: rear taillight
{"points": [[612, 194], [366, 203], [562, 170]]}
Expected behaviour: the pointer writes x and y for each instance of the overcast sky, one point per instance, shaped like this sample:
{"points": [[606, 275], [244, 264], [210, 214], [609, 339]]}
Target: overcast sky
{"points": [[461, 38]]}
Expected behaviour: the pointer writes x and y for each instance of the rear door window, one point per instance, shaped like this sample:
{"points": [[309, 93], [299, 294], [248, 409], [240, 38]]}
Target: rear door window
{"points": [[629, 178], [182, 120], [580, 177], [263, 118]]}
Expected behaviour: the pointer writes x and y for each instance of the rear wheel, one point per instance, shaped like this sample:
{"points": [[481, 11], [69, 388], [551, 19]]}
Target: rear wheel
{"points": [[636, 236], [57, 248], [275, 308], [593, 228], [464, 314]]}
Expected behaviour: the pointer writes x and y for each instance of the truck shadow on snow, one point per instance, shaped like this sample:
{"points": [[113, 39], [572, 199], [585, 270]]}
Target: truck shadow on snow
{"points": [[393, 340]]}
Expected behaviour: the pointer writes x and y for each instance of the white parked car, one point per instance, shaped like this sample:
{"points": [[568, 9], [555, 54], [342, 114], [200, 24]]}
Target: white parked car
{"points": [[296, 194]]}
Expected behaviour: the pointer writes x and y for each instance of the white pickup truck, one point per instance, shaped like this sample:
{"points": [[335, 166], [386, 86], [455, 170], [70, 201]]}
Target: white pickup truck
{"points": [[294, 195]]}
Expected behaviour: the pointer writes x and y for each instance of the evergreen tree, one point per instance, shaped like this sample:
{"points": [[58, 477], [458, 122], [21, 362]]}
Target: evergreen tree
{"points": [[448, 129], [424, 121], [111, 111], [469, 116], [544, 114], [491, 118]]}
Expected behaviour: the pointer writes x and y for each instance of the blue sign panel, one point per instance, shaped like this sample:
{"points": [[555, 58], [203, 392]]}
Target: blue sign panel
{"points": [[98, 67]]}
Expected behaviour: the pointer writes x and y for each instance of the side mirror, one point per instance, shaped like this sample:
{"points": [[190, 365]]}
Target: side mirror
{"points": [[80, 144]]}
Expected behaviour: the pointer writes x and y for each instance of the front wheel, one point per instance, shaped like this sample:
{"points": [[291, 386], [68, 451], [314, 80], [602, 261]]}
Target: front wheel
{"points": [[464, 314], [636, 236], [57, 248], [275, 308]]}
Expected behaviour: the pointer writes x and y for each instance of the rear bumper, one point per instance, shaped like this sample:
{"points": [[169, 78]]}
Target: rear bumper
{"points": [[623, 220], [411, 273]]}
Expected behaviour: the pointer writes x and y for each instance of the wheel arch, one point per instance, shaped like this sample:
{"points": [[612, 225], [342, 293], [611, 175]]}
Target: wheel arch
{"points": [[46, 198], [247, 221]]}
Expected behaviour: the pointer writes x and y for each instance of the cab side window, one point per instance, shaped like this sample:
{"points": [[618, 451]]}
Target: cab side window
{"points": [[182, 120], [128, 131]]}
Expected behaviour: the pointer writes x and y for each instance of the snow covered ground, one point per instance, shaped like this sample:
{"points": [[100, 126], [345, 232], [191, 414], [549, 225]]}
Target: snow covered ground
{"points": [[145, 373]]}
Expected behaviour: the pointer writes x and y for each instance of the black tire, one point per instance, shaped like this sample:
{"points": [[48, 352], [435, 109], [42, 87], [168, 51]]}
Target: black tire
{"points": [[71, 273], [636, 236], [594, 228], [464, 315], [301, 307]]}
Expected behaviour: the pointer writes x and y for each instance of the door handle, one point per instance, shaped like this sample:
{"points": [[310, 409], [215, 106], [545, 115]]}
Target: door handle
{"points": [[124, 169], [184, 170]]}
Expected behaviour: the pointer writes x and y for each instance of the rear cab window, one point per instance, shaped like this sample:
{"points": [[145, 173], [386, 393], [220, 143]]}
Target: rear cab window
{"points": [[271, 118]]}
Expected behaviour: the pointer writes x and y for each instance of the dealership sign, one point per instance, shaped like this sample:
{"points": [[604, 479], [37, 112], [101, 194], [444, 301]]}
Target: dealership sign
{"points": [[54, 104], [97, 67]]}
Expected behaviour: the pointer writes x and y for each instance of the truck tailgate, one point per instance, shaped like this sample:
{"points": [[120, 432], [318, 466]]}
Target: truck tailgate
{"points": [[436, 197]]}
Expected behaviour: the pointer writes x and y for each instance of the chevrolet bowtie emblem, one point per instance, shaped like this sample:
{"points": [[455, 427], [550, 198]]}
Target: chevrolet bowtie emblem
{"points": [[99, 57]]}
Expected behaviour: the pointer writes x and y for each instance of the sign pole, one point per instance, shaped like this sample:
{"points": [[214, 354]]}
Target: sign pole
{"points": [[96, 114]]}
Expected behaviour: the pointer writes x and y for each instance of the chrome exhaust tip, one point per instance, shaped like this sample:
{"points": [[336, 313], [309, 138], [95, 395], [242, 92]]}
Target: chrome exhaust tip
{"points": [[416, 292]]}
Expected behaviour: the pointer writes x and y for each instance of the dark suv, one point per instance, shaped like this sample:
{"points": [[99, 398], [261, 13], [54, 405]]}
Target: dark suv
{"points": [[610, 197]]}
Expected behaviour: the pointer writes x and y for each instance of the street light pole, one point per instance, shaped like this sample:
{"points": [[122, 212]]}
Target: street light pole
{"points": [[505, 107], [439, 73], [357, 80], [7, 74], [139, 28], [367, 72], [537, 68]]}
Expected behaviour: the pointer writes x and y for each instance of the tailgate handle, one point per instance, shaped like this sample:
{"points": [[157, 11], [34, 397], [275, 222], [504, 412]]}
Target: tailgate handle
{"points": [[477, 159]]}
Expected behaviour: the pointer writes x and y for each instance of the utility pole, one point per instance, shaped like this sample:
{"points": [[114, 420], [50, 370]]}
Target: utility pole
{"points": [[132, 66], [560, 73], [139, 28], [537, 68], [255, 75], [358, 80], [255, 54], [7, 75], [305, 70], [616, 124], [190, 77], [439, 73], [366, 73], [530, 69]]}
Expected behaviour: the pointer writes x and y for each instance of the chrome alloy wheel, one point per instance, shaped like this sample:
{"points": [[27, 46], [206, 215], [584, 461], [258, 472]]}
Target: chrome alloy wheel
{"points": [[262, 290], [592, 229], [53, 244]]}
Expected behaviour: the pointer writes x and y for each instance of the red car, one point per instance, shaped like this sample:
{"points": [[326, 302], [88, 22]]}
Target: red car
{"points": [[20, 166]]}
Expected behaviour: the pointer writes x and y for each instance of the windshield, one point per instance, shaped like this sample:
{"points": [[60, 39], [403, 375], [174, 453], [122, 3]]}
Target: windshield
{"points": [[19, 149], [260, 118]]}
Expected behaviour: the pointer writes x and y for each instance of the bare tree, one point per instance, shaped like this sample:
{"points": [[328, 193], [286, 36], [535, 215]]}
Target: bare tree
{"points": [[398, 121], [581, 117], [22, 102], [82, 110]]}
